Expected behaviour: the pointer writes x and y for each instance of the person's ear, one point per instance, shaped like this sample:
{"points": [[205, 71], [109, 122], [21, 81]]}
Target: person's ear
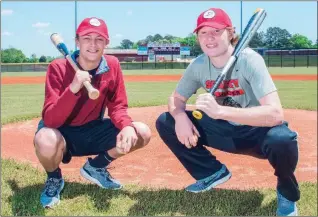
{"points": [[77, 41], [231, 33]]}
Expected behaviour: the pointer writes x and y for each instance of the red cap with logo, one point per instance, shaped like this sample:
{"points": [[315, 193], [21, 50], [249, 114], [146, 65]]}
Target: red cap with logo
{"points": [[213, 17], [93, 24]]}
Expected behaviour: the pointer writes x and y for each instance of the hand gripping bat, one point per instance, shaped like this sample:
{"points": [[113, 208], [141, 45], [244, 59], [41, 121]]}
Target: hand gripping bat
{"points": [[249, 31], [60, 45]]}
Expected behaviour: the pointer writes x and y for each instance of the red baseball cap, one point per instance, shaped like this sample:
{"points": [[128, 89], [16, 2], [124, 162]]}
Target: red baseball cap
{"points": [[213, 17], [93, 24]]}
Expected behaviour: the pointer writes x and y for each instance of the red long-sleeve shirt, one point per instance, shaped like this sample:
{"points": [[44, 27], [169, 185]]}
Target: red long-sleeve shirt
{"points": [[62, 107]]}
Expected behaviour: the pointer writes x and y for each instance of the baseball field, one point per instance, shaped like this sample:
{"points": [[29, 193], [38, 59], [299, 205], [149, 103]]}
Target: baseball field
{"points": [[153, 177]]}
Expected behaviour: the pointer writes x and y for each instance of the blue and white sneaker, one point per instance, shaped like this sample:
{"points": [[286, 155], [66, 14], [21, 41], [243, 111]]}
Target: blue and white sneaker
{"points": [[285, 207], [99, 176], [209, 182], [50, 196]]}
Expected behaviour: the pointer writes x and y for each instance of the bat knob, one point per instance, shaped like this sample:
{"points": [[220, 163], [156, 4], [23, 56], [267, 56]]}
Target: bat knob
{"points": [[94, 94], [197, 114], [257, 10], [56, 39]]}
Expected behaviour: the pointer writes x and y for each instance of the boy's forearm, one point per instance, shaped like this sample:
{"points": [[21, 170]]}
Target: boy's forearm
{"points": [[176, 106], [262, 116]]}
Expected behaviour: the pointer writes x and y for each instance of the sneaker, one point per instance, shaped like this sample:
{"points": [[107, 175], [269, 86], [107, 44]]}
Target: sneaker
{"points": [[99, 176], [285, 207], [209, 182], [50, 196]]}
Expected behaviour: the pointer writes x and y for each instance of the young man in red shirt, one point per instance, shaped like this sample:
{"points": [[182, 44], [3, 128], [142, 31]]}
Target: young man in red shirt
{"points": [[74, 125]]}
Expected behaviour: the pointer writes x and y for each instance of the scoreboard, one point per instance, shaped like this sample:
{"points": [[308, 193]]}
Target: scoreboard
{"points": [[164, 49], [154, 48]]}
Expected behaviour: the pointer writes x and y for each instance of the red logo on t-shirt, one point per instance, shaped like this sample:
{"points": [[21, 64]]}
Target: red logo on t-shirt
{"points": [[226, 88]]}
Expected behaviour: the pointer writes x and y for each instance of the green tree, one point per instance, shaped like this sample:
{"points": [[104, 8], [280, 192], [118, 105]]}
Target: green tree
{"points": [[26, 60], [169, 38], [276, 37], [258, 40], [141, 42], [34, 59], [42, 59], [157, 37], [49, 59], [300, 41], [12, 55], [315, 45], [135, 45], [192, 42], [149, 38], [126, 44]]}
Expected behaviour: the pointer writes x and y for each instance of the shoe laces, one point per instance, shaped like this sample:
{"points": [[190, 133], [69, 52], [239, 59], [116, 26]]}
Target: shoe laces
{"points": [[104, 173], [51, 186], [203, 182]]}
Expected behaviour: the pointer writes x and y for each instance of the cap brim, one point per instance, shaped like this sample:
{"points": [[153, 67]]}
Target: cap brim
{"points": [[85, 32], [210, 24]]}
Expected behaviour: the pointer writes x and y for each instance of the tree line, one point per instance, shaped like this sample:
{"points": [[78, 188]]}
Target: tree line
{"points": [[273, 37]]}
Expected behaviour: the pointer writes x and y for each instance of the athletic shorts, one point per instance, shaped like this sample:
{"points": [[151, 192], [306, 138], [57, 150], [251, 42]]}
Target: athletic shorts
{"points": [[90, 139]]}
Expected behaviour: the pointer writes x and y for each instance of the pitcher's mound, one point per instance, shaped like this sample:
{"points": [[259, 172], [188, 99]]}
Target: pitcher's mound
{"points": [[157, 167]]}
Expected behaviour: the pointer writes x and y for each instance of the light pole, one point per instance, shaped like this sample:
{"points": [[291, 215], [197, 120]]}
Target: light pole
{"points": [[241, 17], [75, 20]]}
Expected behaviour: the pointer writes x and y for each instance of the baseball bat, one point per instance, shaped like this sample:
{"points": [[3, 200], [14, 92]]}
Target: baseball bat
{"points": [[60, 45], [249, 31]]}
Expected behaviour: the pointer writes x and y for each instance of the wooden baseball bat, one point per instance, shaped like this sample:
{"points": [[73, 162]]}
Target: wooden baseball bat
{"points": [[93, 93]]}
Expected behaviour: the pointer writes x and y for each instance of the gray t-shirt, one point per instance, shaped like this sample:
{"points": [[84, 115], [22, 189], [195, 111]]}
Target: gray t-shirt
{"points": [[246, 82]]}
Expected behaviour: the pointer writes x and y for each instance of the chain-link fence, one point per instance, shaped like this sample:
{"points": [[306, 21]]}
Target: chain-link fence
{"points": [[272, 57], [289, 57], [24, 67]]}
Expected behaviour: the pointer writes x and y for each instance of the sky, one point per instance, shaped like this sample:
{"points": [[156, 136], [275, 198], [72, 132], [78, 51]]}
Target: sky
{"points": [[28, 25]]}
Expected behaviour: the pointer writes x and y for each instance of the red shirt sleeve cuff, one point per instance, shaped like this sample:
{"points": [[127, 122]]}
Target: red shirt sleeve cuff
{"points": [[125, 124], [69, 93]]}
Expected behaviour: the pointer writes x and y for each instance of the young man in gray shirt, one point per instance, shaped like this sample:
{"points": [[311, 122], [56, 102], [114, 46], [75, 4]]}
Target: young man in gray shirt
{"points": [[245, 113]]}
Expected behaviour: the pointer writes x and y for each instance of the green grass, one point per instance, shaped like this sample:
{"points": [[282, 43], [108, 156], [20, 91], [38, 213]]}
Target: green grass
{"points": [[22, 185], [298, 94], [21, 102], [293, 71], [272, 70]]}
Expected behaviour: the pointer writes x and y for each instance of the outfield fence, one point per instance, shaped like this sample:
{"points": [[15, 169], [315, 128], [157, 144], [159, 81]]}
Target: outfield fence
{"points": [[290, 57], [277, 59]]}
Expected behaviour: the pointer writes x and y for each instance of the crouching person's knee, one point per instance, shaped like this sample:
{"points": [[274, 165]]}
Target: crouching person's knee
{"points": [[143, 133], [165, 122], [48, 142], [281, 141]]}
